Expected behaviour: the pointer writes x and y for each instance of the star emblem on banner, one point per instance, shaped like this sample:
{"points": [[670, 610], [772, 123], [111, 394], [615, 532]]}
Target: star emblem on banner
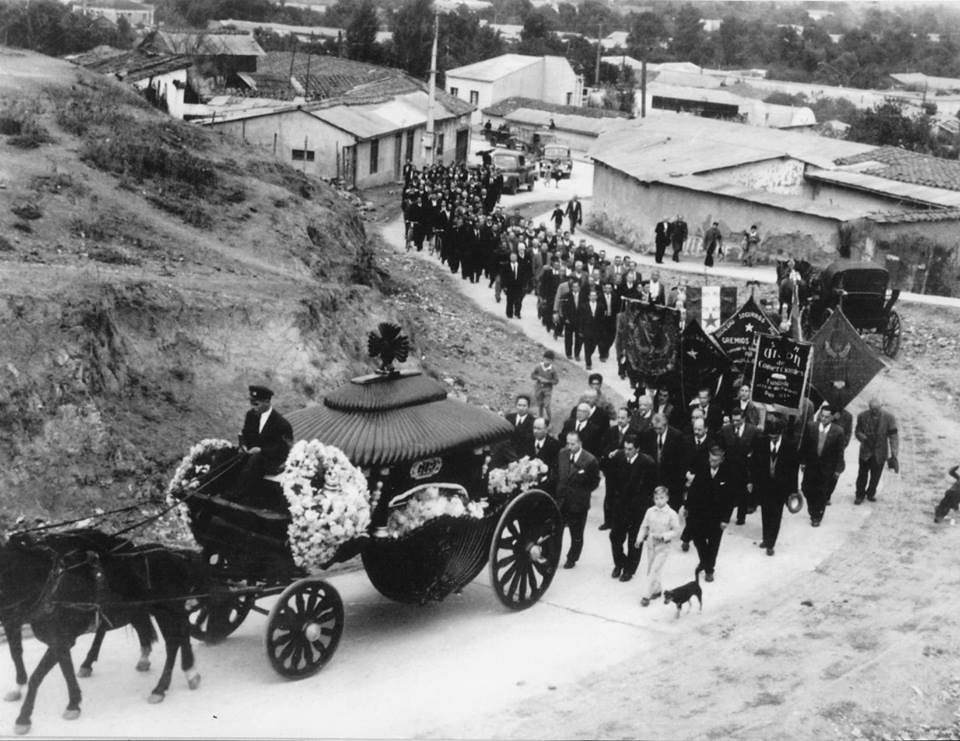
{"points": [[711, 321], [692, 353], [749, 327]]}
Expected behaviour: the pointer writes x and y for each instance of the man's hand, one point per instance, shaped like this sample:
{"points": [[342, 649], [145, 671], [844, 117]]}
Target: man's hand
{"points": [[723, 525], [253, 450], [750, 488], [894, 464]]}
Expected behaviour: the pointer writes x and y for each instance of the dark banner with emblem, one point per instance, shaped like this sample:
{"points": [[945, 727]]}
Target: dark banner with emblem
{"points": [[845, 362], [702, 362], [780, 371], [648, 336], [738, 335]]}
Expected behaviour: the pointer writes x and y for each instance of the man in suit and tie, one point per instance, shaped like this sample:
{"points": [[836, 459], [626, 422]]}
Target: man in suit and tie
{"points": [[709, 506], [821, 455], [773, 470], [568, 305], [712, 413], [266, 438], [661, 238], [642, 419], [522, 422], [664, 444], [546, 448], [592, 316], [578, 474], [514, 278], [877, 432], [589, 434], [612, 442], [737, 439], [696, 446], [631, 478], [656, 293], [749, 410]]}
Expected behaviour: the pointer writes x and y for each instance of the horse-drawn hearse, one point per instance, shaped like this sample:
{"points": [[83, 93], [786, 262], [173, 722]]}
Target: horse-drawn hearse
{"points": [[388, 468], [862, 291]]}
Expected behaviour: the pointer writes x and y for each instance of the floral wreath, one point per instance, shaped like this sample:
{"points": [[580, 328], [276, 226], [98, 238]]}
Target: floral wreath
{"points": [[428, 504], [188, 477], [329, 502], [520, 475]]}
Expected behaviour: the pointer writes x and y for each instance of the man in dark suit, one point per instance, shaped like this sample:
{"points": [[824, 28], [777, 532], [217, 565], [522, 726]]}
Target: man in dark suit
{"points": [[591, 319], [773, 471], [737, 439], [696, 446], [514, 278], [709, 506], [821, 455], [546, 448], [664, 444], [712, 413], [879, 444], [747, 408], [589, 433], [656, 291], [574, 212], [568, 303], [522, 422], [631, 479], [612, 442], [266, 438], [661, 239], [642, 419], [578, 474]]}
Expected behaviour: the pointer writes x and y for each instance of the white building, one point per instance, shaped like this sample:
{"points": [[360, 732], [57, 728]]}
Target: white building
{"points": [[137, 14], [549, 79]]}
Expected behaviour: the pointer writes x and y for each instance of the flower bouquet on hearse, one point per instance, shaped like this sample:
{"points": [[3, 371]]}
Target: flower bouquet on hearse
{"points": [[330, 505], [519, 476], [211, 467], [423, 504]]}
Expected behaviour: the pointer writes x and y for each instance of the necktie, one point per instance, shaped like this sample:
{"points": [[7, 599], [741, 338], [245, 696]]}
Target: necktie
{"points": [[821, 440], [573, 458], [579, 429], [659, 446], [514, 270], [773, 458], [538, 446]]}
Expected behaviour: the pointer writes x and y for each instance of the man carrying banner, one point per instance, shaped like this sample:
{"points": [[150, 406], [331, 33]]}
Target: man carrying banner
{"points": [[821, 453]]}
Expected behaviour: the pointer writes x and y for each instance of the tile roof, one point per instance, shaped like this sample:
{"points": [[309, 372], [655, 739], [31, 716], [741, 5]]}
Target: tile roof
{"points": [[894, 163], [130, 66], [886, 187], [509, 105], [914, 217], [203, 43]]}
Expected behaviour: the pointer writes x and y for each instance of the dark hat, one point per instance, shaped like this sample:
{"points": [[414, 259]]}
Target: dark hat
{"points": [[260, 393], [595, 377], [795, 502]]}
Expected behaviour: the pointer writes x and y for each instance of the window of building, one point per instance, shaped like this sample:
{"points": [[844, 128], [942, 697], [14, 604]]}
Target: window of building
{"points": [[299, 155], [439, 144], [569, 98], [455, 92], [374, 156], [474, 97]]}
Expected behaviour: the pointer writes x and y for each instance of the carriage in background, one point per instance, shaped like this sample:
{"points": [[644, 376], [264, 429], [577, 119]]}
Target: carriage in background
{"points": [[862, 291], [406, 438]]}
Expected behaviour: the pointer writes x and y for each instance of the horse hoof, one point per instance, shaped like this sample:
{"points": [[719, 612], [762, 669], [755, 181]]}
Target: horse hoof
{"points": [[13, 696], [84, 671], [155, 698], [193, 682], [143, 665], [69, 714], [21, 728]]}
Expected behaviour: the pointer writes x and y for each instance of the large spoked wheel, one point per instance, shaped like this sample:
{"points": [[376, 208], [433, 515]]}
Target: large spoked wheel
{"points": [[891, 335], [525, 550], [213, 619], [304, 628]]}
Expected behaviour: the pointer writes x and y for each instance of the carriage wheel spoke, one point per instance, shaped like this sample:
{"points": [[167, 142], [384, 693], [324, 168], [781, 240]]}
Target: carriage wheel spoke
{"points": [[512, 590], [507, 574], [501, 562]]}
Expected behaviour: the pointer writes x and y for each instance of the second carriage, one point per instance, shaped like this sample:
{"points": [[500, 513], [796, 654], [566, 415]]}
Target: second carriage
{"points": [[433, 524]]}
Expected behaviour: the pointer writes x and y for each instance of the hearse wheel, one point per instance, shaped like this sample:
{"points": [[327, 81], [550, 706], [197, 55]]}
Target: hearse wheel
{"points": [[304, 628], [891, 335], [214, 618], [525, 549]]}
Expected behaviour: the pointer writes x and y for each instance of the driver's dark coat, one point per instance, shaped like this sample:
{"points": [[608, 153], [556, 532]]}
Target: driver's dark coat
{"points": [[274, 441]]}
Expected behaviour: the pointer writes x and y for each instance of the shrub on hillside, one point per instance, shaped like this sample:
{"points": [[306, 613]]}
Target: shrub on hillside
{"points": [[20, 121], [127, 154]]}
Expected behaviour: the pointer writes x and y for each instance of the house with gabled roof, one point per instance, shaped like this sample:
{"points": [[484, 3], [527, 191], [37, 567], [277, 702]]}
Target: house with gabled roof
{"points": [[813, 197]]}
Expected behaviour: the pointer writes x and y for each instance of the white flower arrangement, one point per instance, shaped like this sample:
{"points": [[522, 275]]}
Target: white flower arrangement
{"points": [[428, 504], [329, 502], [187, 478], [520, 475]]}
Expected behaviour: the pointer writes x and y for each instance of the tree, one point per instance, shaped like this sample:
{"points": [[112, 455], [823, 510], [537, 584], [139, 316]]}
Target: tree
{"points": [[887, 125], [361, 33], [535, 27], [688, 35], [413, 37], [647, 33], [733, 41], [125, 34]]}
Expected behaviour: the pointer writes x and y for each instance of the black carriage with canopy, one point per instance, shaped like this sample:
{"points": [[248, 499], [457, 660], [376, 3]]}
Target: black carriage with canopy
{"points": [[406, 437], [862, 291]]}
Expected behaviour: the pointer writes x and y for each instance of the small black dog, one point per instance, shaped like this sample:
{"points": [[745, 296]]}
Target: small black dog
{"points": [[682, 594]]}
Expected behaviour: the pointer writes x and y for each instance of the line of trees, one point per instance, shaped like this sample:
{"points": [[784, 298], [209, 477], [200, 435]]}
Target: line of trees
{"points": [[50, 27]]}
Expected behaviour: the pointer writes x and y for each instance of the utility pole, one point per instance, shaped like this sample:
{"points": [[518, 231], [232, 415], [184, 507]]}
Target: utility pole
{"points": [[643, 87], [596, 74], [428, 148]]}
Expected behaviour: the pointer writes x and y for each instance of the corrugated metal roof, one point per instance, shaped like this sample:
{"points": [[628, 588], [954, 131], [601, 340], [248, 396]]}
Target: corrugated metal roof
{"points": [[206, 43], [566, 122], [690, 79], [509, 105], [887, 187], [360, 121], [489, 70]]}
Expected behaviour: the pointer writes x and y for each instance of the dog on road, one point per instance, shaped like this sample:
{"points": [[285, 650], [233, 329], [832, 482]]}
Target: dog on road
{"points": [[684, 593]]}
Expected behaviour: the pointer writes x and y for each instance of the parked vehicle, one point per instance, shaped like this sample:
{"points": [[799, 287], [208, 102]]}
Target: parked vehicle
{"points": [[519, 169], [557, 154]]}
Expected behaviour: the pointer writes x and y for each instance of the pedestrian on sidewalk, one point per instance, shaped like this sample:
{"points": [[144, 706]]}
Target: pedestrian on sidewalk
{"points": [[751, 245], [661, 524], [879, 443], [678, 235], [712, 242], [574, 213]]}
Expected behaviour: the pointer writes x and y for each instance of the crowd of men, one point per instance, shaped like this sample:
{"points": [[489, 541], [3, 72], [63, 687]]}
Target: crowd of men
{"points": [[716, 461], [579, 292]]}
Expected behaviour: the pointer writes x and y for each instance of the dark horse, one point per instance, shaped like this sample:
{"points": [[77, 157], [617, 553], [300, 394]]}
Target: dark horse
{"points": [[793, 273], [84, 577]]}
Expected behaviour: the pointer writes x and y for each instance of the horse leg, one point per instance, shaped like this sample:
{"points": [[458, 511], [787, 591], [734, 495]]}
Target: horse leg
{"points": [[12, 630], [73, 686], [86, 668], [172, 644], [187, 662], [147, 636], [46, 663]]}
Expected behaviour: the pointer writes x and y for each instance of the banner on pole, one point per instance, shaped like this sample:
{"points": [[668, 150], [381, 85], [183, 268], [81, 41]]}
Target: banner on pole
{"points": [[780, 369], [702, 361], [709, 305], [845, 362], [648, 336], [738, 334]]}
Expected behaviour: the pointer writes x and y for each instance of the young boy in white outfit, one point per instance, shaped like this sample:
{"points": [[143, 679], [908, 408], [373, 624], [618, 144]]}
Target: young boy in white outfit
{"points": [[660, 525], [545, 378]]}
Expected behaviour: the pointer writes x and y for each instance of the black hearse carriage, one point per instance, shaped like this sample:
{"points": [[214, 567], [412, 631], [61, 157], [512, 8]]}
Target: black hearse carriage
{"points": [[405, 435]]}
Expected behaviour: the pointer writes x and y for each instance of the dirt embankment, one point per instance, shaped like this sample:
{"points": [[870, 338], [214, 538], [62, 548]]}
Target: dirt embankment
{"points": [[150, 270]]}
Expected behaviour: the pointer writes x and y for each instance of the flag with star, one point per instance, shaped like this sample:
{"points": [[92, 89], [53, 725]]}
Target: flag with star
{"points": [[702, 362], [844, 363], [738, 334], [709, 305]]}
